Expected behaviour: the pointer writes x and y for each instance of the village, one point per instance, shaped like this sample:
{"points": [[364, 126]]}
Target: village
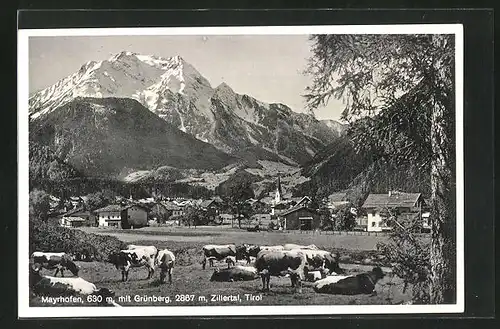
{"points": [[273, 212]]}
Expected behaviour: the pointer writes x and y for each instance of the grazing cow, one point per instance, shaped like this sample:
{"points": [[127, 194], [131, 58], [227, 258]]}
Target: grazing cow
{"points": [[237, 273], [292, 246], [59, 261], [125, 259], [52, 286], [217, 252], [281, 263], [363, 283], [166, 262]]}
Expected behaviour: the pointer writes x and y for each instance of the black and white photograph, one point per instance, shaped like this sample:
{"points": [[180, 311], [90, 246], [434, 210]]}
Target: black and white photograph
{"points": [[241, 170]]}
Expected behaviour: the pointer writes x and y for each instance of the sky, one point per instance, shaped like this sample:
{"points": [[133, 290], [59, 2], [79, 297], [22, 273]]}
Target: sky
{"points": [[267, 67]]}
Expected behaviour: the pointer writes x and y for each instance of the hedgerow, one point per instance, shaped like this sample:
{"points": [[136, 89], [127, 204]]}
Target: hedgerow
{"points": [[84, 246]]}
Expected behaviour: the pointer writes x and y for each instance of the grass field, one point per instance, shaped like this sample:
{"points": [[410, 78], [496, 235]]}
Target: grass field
{"points": [[224, 235], [190, 279]]}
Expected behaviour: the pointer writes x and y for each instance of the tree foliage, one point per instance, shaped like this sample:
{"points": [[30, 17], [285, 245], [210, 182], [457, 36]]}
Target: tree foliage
{"points": [[100, 199], [235, 193], [388, 81], [399, 90], [39, 204]]}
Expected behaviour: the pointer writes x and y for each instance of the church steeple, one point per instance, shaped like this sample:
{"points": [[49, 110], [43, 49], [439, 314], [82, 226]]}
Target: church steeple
{"points": [[279, 192]]}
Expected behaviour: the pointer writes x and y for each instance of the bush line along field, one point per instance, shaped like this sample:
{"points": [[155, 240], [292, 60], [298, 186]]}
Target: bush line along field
{"points": [[189, 278]]}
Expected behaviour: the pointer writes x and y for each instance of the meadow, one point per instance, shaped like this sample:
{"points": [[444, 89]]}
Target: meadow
{"points": [[192, 286]]}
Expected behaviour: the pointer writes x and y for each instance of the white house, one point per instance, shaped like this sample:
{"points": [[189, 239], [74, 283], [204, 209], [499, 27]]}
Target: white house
{"points": [[110, 216], [377, 207]]}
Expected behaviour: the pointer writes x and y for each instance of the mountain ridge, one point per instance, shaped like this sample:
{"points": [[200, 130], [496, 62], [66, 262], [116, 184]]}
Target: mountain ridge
{"points": [[107, 136], [174, 90]]}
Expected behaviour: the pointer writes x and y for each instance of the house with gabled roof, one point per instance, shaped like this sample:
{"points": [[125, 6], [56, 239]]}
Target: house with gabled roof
{"points": [[380, 206], [77, 218], [299, 218], [118, 216]]}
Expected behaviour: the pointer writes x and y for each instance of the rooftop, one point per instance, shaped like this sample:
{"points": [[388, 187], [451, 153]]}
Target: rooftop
{"points": [[294, 209], [111, 207], [392, 199], [77, 212]]}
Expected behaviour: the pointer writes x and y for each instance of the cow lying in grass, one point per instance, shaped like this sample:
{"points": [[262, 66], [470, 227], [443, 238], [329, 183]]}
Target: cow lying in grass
{"points": [[59, 261], [237, 273], [363, 283], [55, 287]]}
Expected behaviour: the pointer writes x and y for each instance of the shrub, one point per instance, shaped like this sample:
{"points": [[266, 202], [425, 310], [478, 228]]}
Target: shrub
{"points": [[410, 257], [48, 237]]}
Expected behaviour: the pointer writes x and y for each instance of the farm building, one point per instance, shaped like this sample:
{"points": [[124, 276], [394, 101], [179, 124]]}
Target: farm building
{"points": [[77, 218], [118, 216], [159, 212], [300, 218], [173, 209], [226, 219], [378, 206], [136, 215], [210, 208], [110, 216]]}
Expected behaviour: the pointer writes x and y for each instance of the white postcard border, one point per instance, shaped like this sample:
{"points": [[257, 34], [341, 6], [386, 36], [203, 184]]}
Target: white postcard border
{"points": [[25, 311]]}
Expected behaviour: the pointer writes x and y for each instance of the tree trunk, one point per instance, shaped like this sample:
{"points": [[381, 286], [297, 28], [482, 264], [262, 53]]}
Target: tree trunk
{"points": [[239, 218], [443, 239]]}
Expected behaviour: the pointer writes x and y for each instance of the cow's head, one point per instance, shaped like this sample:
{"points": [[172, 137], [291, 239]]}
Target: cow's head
{"points": [[70, 265], [379, 274], [242, 251], [215, 275], [119, 259], [35, 276]]}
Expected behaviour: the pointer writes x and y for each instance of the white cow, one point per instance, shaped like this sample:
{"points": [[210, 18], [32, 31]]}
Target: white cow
{"points": [[53, 286], [328, 280], [142, 257], [152, 251], [166, 262]]}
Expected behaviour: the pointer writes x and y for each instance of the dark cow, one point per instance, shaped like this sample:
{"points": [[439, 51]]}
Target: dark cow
{"points": [[166, 262], [213, 252], [363, 283], [59, 261], [281, 263], [52, 286], [125, 259], [237, 273]]}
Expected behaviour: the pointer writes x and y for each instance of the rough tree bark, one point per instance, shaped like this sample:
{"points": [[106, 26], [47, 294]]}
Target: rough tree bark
{"points": [[443, 264], [443, 220]]}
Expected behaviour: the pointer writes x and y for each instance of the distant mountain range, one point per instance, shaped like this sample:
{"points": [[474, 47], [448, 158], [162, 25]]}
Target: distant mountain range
{"points": [[173, 90]]}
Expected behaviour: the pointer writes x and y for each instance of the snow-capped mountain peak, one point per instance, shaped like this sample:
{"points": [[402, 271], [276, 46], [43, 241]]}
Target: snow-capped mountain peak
{"points": [[126, 74], [175, 91]]}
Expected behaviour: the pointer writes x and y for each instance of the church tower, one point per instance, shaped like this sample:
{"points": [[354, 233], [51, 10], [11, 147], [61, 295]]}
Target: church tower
{"points": [[279, 192]]}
